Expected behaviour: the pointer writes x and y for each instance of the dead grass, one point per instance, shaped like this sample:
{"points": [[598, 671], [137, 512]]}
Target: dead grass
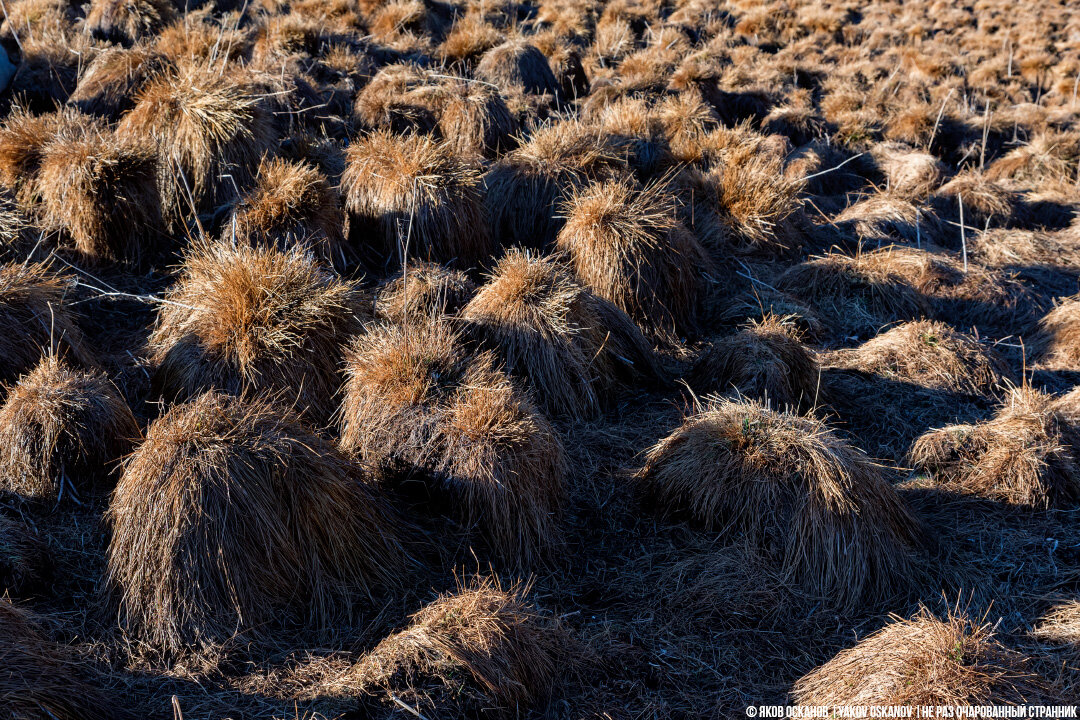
{"points": [[1024, 455], [627, 245], [791, 488], [24, 558], [34, 311], [423, 294], [418, 403], [62, 432], [412, 192], [232, 517], [570, 347], [254, 319], [291, 203], [923, 661], [764, 361]]}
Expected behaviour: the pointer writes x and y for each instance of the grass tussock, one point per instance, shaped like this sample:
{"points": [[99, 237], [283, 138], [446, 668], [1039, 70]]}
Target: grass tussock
{"points": [[414, 192], [232, 516], [423, 293], [419, 404], [1024, 455], [925, 660], [43, 680], [929, 354], [290, 203], [255, 319], [35, 314], [793, 489], [571, 347], [627, 245], [128, 21], [1056, 343], [764, 361], [101, 192], [62, 432], [481, 650], [203, 125]]}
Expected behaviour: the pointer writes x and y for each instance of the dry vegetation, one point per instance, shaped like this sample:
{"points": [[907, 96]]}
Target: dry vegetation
{"points": [[561, 359]]}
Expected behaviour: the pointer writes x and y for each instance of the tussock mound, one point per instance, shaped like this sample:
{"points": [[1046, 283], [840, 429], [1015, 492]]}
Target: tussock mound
{"points": [[985, 202], [418, 403], [101, 192], [524, 186], [795, 491], [204, 125], [764, 361], [413, 192], [62, 431], [471, 117], [23, 138], [423, 294], [909, 173], [572, 347], [1061, 624], [127, 21], [482, 651], [41, 680], [110, 83], [23, 557], [1056, 344], [744, 202], [859, 294], [884, 219], [291, 203], [231, 516], [924, 661], [518, 65], [35, 318], [1025, 455], [929, 354], [256, 319], [627, 245]]}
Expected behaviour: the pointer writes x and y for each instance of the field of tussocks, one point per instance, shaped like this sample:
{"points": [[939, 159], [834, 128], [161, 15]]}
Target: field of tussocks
{"points": [[558, 359]]}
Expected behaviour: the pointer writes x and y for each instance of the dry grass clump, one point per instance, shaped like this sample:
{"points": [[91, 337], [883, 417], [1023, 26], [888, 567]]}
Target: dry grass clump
{"points": [[101, 192], [764, 361], [42, 680], [1056, 343], [291, 203], [480, 652], [886, 218], [231, 516], [425, 292], [127, 21], [401, 98], [24, 558], [910, 173], [929, 354], [1025, 455], [795, 491], [204, 125], [747, 203], [417, 403], [259, 319], [412, 192], [985, 203], [518, 65], [35, 319], [572, 347], [1061, 624], [109, 84], [48, 69], [23, 138], [627, 245], [62, 431], [524, 186], [925, 661], [861, 293]]}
